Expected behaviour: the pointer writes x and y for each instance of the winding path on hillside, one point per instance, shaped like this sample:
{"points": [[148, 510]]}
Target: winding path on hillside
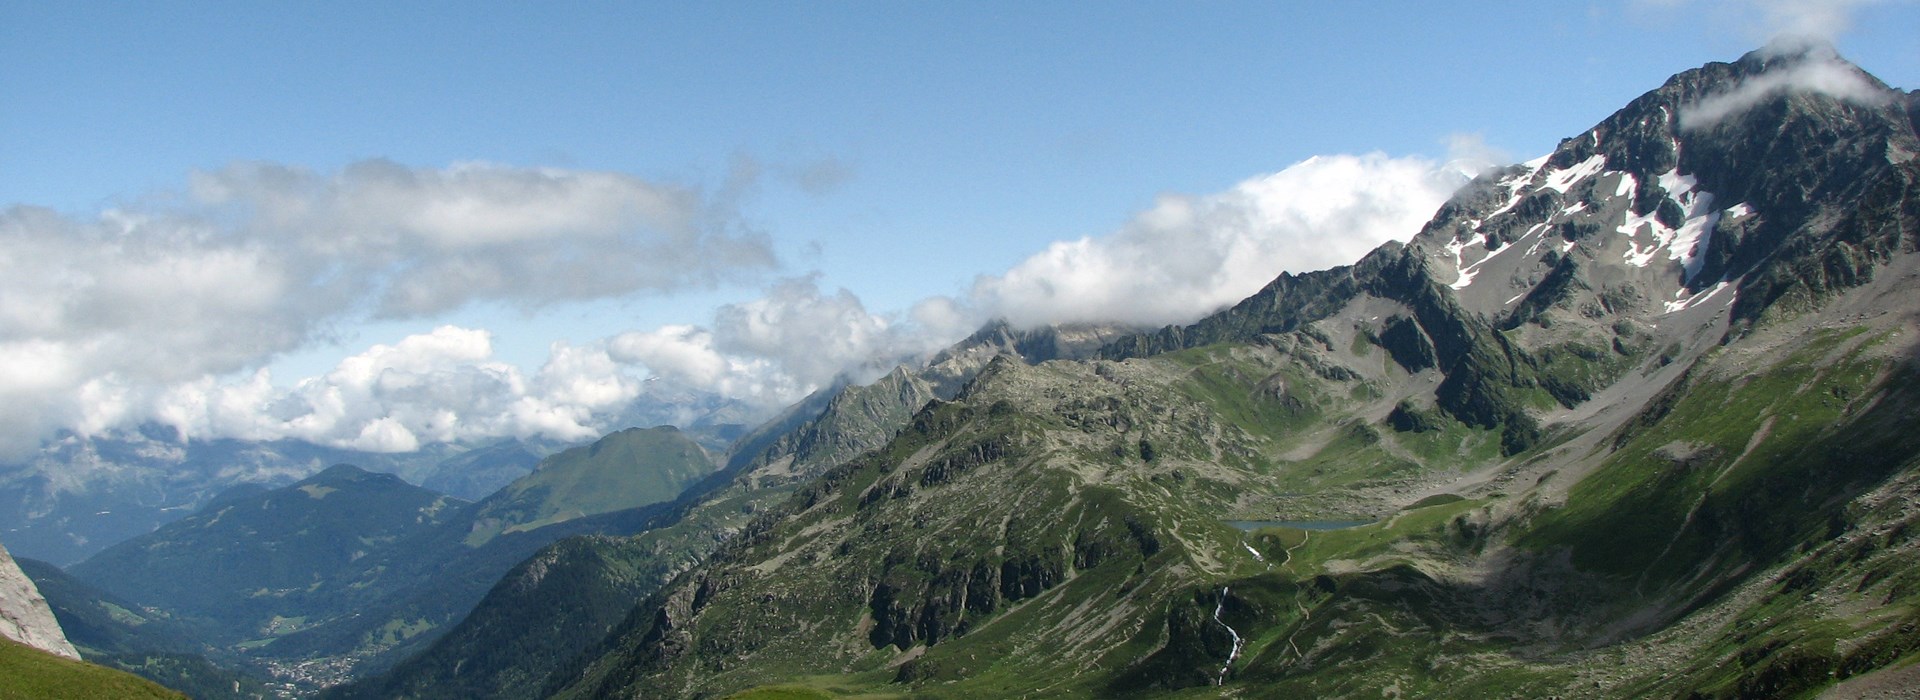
{"points": [[1306, 615]]}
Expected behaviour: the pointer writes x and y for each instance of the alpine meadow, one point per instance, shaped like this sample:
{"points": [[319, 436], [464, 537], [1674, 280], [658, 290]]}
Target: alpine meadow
{"points": [[1636, 418]]}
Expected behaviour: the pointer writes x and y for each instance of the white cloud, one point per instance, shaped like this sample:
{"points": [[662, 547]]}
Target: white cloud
{"points": [[810, 335], [1470, 155], [123, 317], [166, 315], [432, 240], [943, 317], [585, 377], [1820, 72], [775, 349], [1183, 258], [681, 351], [440, 386], [687, 354], [1190, 255]]}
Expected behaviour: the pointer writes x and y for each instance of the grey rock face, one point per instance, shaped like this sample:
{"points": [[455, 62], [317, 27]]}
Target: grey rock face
{"points": [[24, 615]]}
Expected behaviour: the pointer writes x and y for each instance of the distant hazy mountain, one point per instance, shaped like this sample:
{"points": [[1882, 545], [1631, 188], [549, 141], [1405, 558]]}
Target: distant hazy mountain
{"points": [[622, 470], [80, 495], [348, 567], [477, 473], [258, 566]]}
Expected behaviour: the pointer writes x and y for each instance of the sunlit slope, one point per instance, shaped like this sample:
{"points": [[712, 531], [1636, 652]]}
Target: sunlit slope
{"points": [[623, 470], [31, 674], [1633, 418]]}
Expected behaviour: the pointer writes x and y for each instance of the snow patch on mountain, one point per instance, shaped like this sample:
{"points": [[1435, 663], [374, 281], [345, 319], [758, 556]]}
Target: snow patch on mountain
{"points": [[1627, 183], [1562, 178], [1456, 248], [1682, 302], [1686, 243], [1516, 186]]}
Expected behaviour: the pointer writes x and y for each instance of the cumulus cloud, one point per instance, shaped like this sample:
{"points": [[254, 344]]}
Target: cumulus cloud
{"points": [[100, 315], [775, 349], [440, 386], [167, 314], [430, 240], [1191, 254], [689, 355], [812, 335], [447, 386], [1820, 72]]}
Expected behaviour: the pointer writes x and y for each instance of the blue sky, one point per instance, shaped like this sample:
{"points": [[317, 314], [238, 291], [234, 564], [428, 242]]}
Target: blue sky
{"points": [[856, 165]]}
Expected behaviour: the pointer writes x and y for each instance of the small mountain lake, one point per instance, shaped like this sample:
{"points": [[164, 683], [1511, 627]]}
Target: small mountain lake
{"points": [[1251, 525]]}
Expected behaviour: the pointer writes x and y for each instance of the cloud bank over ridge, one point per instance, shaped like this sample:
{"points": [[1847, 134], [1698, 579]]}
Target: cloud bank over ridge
{"points": [[168, 312], [1189, 255], [1818, 70]]}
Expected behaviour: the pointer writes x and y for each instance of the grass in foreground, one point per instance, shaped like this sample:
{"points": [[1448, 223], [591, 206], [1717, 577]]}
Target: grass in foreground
{"points": [[27, 673]]}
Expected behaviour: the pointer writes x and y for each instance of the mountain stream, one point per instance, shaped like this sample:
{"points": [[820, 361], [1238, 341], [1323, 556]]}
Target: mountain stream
{"points": [[1235, 653]]}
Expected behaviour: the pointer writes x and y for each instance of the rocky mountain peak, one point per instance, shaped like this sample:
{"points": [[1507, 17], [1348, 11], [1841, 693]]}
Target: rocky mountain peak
{"points": [[1728, 175]]}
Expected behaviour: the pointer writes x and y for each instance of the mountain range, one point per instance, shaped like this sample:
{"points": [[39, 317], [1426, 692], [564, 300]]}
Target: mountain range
{"points": [[1631, 419], [350, 570], [82, 493], [1626, 420]]}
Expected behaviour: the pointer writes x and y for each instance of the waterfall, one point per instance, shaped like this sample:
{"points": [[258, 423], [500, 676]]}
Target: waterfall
{"points": [[1221, 679]]}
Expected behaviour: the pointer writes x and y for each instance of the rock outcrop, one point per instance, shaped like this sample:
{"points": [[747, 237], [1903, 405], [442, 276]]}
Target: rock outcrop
{"points": [[24, 615]]}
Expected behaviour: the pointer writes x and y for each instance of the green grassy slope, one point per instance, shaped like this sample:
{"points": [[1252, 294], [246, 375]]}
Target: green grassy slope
{"points": [[30, 674], [564, 599], [1059, 531], [627, 469], [1069, 504]]}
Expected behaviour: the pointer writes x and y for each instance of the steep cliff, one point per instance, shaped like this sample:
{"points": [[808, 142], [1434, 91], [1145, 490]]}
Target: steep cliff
{"points": [[24, 615]]}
